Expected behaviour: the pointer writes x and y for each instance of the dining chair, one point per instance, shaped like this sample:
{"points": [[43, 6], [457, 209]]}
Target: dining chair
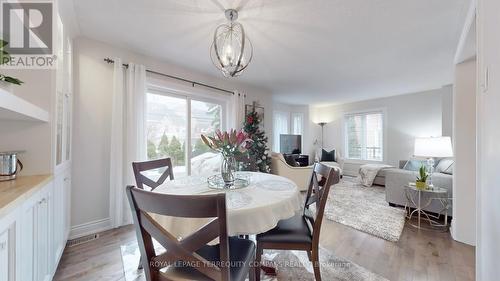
{"points": [[301, 232], [246, 163], [190, 258], [141, 179]]}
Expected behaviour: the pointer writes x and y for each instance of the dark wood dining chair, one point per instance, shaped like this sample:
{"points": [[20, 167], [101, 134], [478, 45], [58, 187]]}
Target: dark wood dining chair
{"points": [[189, 258], [142, 180], [246, 163], [301, 232]]}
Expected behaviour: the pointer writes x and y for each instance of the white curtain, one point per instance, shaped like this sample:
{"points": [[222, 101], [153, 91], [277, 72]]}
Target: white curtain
{"points": [[238, 110], [127, 135], [280, 126]]}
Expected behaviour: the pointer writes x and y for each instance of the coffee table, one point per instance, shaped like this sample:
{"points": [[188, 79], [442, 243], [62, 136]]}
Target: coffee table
{"points": [[420, 199]]}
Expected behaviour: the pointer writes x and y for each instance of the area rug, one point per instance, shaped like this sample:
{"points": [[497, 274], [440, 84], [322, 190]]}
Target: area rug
{"points": [[365, 209], [290, 265]]}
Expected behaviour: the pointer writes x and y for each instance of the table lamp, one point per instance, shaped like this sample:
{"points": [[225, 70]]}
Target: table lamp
{"points": [[431, 148]]}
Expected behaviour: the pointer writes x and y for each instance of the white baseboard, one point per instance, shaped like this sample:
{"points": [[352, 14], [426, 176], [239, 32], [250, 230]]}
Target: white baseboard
{"points": [[460, 237], [90, 228]]}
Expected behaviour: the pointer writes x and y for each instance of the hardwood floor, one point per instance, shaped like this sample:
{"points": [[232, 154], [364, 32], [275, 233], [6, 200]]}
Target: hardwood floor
{"points": [[418, 255]]}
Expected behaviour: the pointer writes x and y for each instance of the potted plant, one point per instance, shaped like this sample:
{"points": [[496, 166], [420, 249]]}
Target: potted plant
{"points": [[6, 82], [421, 182]]}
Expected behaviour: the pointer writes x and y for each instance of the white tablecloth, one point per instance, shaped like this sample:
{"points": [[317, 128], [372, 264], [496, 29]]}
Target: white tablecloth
{"points": [[250, 210]]}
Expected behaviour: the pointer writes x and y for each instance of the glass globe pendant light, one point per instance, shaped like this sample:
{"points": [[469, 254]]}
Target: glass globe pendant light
{"points": [[231, 50]]}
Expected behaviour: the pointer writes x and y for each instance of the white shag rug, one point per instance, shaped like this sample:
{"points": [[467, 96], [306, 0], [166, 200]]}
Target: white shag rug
{"points": [[290, 265], [365, 209]]}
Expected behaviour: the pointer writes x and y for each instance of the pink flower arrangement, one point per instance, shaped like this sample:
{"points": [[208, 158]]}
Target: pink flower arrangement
{"points": [[228, 143]]}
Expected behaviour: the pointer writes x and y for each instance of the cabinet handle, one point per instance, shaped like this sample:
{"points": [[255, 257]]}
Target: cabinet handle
{"points": [[2, 246], [42, 201]]}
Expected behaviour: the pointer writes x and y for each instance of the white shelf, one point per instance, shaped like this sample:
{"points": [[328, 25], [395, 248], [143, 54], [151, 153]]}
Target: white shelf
{"points": [[15, 108]]}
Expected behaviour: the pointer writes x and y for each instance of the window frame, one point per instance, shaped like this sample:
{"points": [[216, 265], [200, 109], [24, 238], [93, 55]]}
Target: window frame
{"points": [[363, 159], [161, 87], [290, 126], [292, 123]]}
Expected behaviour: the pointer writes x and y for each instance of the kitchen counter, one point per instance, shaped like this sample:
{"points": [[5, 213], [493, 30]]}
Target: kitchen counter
{"points": [[13, 193]]}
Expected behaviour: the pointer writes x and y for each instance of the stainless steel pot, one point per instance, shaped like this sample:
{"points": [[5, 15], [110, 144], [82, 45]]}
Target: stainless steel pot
{"points": [[10, 166]]}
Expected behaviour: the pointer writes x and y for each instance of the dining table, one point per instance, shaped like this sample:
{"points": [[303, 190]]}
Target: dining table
{"points": [[253, 209]]}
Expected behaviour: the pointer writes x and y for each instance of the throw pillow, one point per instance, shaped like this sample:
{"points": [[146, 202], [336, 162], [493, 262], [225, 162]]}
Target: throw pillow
{"points": [[445, 166], [328, 156], [414, 165], [290, 160]]}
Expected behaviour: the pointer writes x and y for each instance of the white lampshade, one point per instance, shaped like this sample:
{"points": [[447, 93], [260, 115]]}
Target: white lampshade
{"points": [[439, 147]]}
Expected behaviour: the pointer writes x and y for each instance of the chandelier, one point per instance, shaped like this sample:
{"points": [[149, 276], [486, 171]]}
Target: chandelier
{"points": [[231, 50]]}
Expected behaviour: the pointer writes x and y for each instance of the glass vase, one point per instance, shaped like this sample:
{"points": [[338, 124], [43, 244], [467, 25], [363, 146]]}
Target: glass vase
{"points": [[227, 170]]}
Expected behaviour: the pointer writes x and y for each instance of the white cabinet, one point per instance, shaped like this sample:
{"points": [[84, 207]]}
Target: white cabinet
{"points": [[36, 226], [61, 215], [4, 255], [8, 247], [33, 236], [42, 236], [64, 102], [27, 237]]}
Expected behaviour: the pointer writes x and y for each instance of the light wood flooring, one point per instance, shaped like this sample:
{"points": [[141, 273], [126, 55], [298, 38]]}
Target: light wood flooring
{"points": [[418, 255]]}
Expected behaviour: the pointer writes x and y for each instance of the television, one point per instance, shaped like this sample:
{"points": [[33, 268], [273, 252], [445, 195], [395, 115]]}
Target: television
{"points": [[290, 144]]}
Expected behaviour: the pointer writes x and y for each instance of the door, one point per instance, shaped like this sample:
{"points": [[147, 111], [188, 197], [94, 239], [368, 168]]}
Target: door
{"points": [[42, 236], [174, 124], [206, 118], [58, 219], [4, 255], [27, 240]]}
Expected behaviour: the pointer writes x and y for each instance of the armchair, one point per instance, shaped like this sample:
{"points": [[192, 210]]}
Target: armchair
{"points": [[299, 175], [339, 163]]}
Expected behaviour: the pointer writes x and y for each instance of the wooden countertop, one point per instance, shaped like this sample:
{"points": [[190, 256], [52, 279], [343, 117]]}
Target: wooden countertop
{"points": [[13, 193]]}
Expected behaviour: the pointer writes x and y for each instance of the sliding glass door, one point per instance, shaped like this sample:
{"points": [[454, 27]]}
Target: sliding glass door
{"points": [[174, 124], [206, 118], [166, 129]]}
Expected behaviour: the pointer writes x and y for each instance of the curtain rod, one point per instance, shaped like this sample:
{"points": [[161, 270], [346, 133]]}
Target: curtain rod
{"points": [[193, 83]]}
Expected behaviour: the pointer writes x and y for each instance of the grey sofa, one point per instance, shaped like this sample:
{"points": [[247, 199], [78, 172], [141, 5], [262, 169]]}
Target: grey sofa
{"points": [[396, 179]]}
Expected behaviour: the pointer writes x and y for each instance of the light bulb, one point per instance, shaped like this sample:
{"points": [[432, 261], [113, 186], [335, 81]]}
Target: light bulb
{"points": [[228, 56]]}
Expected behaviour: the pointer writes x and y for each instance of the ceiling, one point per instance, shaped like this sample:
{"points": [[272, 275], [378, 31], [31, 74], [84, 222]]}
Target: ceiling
{"points": [[305, 51]]}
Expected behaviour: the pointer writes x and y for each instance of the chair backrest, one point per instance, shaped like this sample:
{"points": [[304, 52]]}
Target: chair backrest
{"points": [[143, 202], [142, 180], [246, 162], [322, 178]]}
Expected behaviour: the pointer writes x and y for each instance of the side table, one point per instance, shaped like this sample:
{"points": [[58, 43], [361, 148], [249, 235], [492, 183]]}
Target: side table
{"points": [[414, 198]]}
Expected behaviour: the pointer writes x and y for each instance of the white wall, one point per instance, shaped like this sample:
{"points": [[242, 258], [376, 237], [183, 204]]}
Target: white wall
{"points": [[91, 124], [464, 145], [406, 117], [488, 119]]}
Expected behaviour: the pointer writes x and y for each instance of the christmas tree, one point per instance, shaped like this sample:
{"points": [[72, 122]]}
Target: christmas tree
{"points": [[258, 150]]}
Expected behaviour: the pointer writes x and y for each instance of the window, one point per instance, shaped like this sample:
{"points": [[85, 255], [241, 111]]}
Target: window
{"points": [[280, 126], [175, 122], [364, 136], [286, 123], [297, 123]]}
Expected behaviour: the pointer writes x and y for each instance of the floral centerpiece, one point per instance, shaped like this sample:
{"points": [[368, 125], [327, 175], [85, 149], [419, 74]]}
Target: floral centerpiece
{"points": [[229, 144]]}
